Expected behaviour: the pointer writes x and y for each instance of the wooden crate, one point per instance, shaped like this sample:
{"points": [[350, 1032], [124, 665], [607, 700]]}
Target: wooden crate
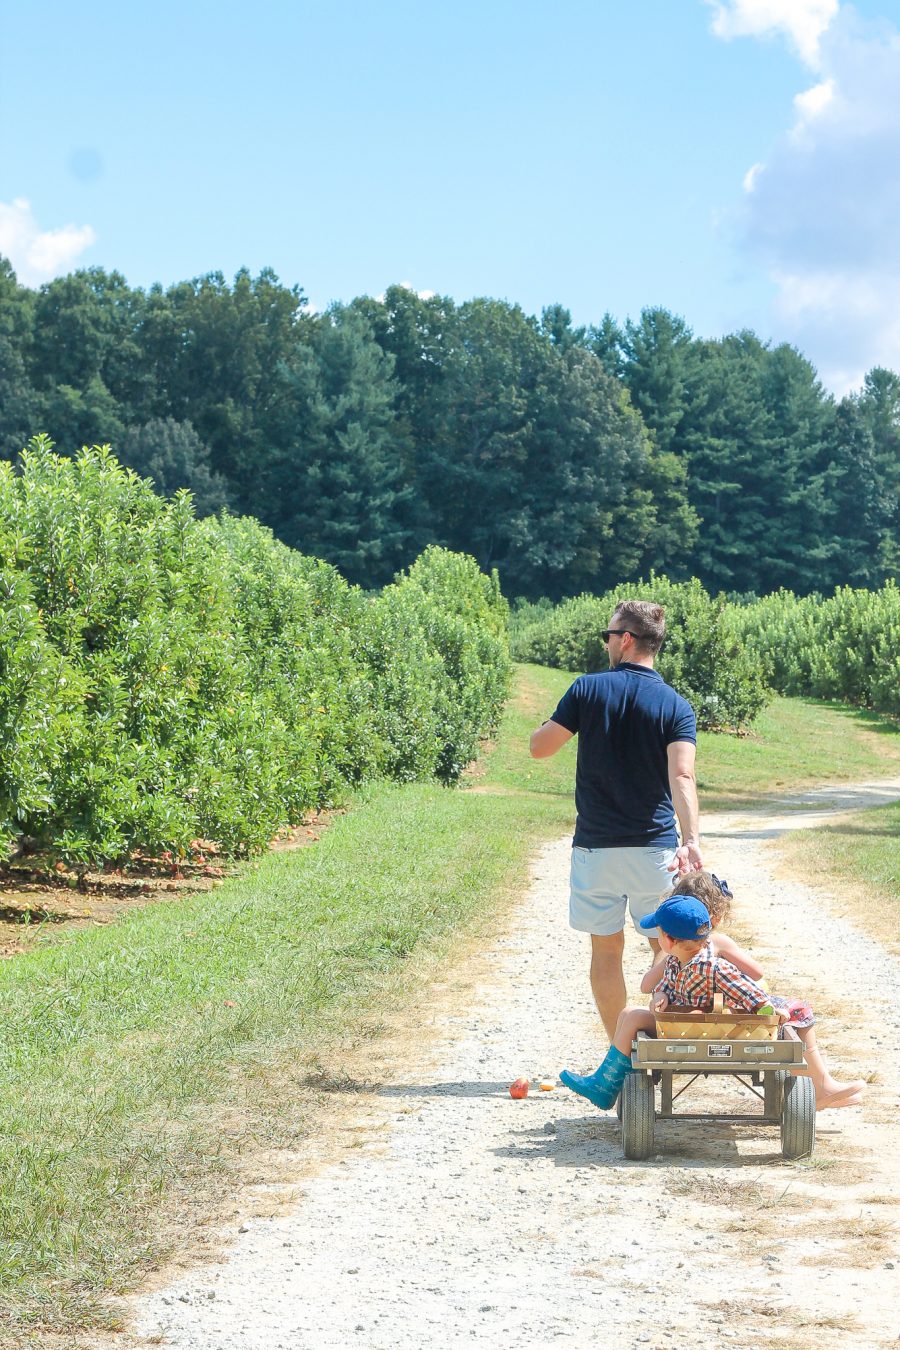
{"points": [[719, 1025]]}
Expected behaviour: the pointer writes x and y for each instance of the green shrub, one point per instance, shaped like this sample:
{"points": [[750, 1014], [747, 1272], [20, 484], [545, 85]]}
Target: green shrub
{"points": [[464, 619], [845, 647], [702, 658], [524, 613], [41, 700], [405, 682], [164, 678], [781, 632]]}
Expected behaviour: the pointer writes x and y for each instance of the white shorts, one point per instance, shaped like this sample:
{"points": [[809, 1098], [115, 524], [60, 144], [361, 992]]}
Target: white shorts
{"points": [[607, 881]]}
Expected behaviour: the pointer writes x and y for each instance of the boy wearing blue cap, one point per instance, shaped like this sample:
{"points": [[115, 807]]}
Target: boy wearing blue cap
{"points": [[691, 976], [716, 895]]}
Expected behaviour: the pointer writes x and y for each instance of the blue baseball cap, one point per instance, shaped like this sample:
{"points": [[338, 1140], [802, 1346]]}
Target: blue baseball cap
{"points": [[681, 916]]}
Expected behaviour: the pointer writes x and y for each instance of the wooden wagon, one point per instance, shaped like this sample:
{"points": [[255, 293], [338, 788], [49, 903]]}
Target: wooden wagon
{"points": [[691, 1045]]}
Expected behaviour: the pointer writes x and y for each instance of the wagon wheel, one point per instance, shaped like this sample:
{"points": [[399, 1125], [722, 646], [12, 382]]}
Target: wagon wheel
{"points": [[638, 1115], [798, 1118]]}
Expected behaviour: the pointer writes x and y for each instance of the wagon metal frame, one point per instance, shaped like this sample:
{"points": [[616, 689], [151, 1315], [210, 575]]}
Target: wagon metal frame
{"points": [[766, 1068]]}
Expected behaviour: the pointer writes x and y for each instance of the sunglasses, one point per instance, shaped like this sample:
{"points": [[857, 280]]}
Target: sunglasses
{"points": [[608, 632]]}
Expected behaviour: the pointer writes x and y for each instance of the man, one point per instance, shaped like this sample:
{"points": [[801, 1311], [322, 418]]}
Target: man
{"points": [[637, 741]]}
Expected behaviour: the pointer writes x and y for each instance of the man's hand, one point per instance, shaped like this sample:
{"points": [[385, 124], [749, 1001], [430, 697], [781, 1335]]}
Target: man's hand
{"points": [[688, 858]]}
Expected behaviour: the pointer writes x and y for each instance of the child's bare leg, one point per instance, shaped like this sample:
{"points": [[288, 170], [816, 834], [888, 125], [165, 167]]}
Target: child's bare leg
{"points": [[829, 1092], [631, 1021]]}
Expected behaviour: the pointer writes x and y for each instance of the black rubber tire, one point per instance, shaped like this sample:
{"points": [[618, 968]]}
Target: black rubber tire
{"points": [[638, 1116], [798, 1118]]}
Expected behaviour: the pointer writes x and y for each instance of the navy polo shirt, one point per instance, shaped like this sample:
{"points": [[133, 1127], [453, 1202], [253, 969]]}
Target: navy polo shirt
{"points": [[625, 720]]}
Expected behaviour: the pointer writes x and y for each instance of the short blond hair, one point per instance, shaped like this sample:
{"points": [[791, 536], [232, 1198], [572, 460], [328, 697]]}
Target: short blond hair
{"points": [[645, 622]]}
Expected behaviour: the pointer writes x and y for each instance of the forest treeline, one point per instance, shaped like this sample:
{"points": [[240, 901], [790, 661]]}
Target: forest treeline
{"points": [[568, 458]]}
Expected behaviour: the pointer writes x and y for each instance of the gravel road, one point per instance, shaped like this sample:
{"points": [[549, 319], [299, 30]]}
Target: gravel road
{"points": [[450, 1214]]}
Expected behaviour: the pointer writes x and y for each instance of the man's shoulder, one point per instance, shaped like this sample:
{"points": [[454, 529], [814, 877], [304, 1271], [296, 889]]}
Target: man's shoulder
{"points": [[668, 696], [592, 678], [647, 684], [594, 682], [662, 687]]}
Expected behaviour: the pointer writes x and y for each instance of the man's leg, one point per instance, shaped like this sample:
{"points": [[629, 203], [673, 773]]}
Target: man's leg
{"points": [[607, 979]]}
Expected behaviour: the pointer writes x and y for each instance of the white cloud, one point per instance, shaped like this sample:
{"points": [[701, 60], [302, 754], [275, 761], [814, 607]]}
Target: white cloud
{"points": [[423, 295], [802, 21], [751, 176], [846, 321], [822, 212], [812, 102], [38, 255]]}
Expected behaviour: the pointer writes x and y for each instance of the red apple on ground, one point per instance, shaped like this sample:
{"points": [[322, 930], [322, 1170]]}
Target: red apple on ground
{"points": [[519, 1089]]}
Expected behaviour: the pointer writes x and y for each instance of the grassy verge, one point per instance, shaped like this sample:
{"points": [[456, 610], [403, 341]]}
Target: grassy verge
{"points": [[859, 861], [141, 1059], [508, 767], [795, 744]]}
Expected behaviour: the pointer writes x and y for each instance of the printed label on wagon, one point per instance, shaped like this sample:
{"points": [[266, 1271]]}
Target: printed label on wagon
{"points": [[719, 1051]]}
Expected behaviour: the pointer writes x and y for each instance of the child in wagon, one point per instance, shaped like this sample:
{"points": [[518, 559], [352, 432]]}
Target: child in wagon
{"points": [[716, 895], [691, 974]]}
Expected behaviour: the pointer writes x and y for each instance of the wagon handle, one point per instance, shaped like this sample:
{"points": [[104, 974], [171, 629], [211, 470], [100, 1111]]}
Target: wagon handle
{"points": [[718, 1003]]}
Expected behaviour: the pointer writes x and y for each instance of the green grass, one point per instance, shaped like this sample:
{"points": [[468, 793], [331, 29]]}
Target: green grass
{"points": [[795, 744], [509, 767], [862, 853]]}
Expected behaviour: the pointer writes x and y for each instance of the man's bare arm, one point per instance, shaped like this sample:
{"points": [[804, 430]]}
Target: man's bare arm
{"points": [[682, 757], [548, 739]]}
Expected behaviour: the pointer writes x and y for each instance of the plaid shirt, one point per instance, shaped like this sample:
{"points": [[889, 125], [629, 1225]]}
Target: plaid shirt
{"points": [[693, 984]]}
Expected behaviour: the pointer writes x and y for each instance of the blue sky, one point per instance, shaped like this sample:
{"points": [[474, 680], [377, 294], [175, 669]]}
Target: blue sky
{"points": [[737, 162]]}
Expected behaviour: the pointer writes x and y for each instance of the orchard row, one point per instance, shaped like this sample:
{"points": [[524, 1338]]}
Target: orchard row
{"points": [[164, 678]]}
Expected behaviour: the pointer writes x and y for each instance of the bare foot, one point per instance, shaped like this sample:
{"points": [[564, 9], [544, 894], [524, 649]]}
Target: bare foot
{"points": [[844, 1094]]}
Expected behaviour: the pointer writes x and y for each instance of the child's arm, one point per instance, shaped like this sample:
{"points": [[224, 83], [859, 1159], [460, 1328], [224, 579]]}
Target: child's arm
{"points": [[741, 993], [653, 976], [725, 946], [663, 991]]}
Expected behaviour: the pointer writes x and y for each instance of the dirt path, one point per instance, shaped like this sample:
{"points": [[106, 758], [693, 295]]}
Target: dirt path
{"points": [[452, 1215]]}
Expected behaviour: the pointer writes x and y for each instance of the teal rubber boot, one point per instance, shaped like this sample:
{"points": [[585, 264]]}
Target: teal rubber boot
{"points": [[603, 1086]]}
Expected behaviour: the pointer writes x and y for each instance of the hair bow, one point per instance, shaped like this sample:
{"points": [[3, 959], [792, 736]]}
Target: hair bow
{"points": [[723, 887]]}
